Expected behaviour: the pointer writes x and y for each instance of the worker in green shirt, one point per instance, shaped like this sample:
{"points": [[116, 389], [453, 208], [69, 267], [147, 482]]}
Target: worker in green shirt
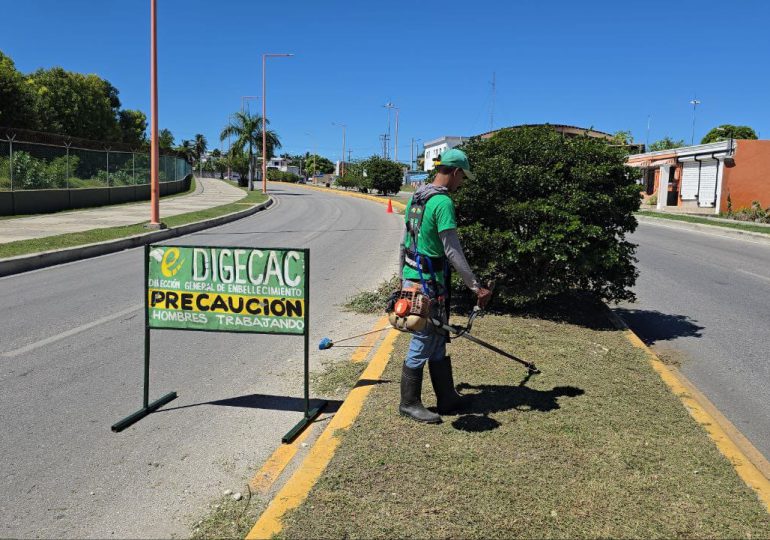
{"points": [[429, 247]]}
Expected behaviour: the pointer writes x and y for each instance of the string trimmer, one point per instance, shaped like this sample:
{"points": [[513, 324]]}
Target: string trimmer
{"points": [[408, 313]]}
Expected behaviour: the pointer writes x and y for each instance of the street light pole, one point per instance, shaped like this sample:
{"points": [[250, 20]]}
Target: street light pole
{"points": [[264, 120], [695, 102], [229, 148], [244, 98], [342, 161], [395, 146], [154, 153], [388, 106]]}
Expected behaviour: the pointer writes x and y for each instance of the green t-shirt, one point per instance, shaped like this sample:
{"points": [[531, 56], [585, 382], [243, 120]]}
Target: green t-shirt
{"points": [[439, 216]]}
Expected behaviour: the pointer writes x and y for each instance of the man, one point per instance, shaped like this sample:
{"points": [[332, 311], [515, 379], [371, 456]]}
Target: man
{"points": [[430, 245]]}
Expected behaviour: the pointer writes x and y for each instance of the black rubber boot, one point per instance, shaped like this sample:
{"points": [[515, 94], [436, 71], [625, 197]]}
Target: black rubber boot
{"points": [[448, 401], [411, 401]]}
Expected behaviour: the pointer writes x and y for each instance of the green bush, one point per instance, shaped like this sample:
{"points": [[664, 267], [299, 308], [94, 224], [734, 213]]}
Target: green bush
{"points": [[354, 177], [386, 176], [281, 176], [548, 214], [652, 200], [756, 213]]}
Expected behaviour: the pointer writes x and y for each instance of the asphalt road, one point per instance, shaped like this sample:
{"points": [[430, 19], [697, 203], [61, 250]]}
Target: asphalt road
{"points": [[703, 303], [71, 343]]}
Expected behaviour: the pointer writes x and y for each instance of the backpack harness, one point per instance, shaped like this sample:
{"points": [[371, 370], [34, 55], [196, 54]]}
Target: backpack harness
{"points": [[417, 261]]}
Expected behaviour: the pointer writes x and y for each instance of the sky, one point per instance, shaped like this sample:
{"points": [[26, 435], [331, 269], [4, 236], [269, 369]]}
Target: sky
{"points": [[604, 64]]}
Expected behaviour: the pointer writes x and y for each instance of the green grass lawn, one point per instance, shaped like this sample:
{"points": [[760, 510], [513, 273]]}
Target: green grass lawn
{"points": [[24, 247], [594, 447], [740, 225]]}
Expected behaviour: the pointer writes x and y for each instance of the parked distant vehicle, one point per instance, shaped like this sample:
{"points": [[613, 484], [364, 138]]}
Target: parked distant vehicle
{"points": [[235, 176]]}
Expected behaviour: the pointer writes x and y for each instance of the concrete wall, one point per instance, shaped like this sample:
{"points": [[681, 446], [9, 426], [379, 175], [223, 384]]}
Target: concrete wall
{"points": [[42, 201], [749, 179]]}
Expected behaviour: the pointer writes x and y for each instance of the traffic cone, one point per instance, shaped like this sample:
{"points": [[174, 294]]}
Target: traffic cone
{"points": [[390, 207]]}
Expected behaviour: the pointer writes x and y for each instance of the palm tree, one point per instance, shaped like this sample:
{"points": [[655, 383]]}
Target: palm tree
{"points": [[186, 149], [199, 148], [247, 129]]}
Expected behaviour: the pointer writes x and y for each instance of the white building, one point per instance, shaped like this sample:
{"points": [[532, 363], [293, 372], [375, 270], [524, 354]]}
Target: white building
{"points": [[434, 148], [282, 164]]}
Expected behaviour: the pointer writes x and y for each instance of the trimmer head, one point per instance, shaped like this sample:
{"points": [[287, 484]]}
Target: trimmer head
{"points": [[325, 344]]}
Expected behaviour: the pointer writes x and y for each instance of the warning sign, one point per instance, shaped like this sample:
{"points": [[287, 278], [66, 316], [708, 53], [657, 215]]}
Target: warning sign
{"points": [[227, 289]]}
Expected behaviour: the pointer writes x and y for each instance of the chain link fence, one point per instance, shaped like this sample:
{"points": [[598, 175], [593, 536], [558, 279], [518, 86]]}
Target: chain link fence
{"points": [[32, 165]]}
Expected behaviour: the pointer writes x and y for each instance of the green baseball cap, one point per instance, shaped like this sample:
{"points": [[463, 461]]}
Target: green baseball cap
{"points": [[457, 158]]}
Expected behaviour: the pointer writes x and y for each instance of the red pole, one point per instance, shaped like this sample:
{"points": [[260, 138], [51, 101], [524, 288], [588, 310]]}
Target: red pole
{"points": [[154, 156], [264, 129]]}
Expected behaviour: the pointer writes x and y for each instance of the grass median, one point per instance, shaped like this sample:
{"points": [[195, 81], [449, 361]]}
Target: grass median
{"points": [[595, 446], [37, 245], [739, 225]]}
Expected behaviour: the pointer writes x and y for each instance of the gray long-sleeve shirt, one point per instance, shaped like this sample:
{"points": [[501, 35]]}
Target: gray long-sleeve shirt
{"points": [[454, 252]]}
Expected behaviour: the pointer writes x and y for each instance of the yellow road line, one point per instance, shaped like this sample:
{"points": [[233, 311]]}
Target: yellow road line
{"points": [[396, 204], [274, 466], [717, 426], [359, 355], [299, 485]]}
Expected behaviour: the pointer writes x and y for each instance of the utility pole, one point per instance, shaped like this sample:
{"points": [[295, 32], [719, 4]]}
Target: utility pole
{"points": [[384, 142], [388, 106], [647, 140], [492, 110], [349, 152], [395, 146], [411, 154], [695, 102]]}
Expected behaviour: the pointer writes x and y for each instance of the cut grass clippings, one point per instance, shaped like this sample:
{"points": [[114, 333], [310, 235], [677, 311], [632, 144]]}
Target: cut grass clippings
{"points": [[228, 518], [595, 446], [373, 301], [740, 225], [37, 245]]}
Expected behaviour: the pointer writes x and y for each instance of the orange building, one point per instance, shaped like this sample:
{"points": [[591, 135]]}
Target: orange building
{"points": [[699, 179]]}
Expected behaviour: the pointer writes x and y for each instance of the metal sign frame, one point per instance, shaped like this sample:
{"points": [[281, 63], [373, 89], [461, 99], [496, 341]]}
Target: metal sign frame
{"points": [[147, 407]]}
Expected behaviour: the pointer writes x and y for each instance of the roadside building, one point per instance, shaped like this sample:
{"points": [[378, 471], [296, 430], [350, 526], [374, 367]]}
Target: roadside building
{"points": [[434, 148], [282, 164], [699, 179], [567, 131]]}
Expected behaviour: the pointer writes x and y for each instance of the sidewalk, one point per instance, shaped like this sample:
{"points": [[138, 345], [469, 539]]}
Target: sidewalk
{"points": [[716, 226], [209, 193]]}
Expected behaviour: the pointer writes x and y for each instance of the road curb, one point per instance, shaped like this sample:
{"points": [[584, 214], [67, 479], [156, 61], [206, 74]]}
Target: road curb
{"points": [[747, 461], [704, 227], [396, 204], [297, 488], [35, 261]]}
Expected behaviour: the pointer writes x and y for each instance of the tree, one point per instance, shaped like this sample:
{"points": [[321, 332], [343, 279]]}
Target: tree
{"points": [[186, 150], [622, 137], [133, 127], [247, 130], [16, 99], [199, 148], [165, 139], [74, 104], [315, 164], [355, 177], [729, 131], [548, 214], [666, 143], [386, 176], [239, 162]]}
